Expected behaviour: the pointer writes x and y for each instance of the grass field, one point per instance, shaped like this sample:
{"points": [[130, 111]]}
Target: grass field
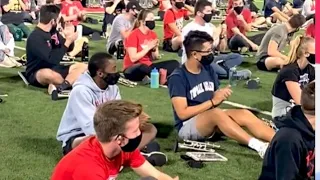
{"points": [[29, 122]]}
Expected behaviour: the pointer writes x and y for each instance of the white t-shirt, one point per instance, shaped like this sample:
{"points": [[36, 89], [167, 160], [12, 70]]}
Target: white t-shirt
{"points": [[306, 8], [193, 26]]}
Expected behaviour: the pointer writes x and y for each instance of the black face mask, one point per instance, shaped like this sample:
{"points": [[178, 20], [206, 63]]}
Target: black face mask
{"points": [[207, 17], [112, 78], [312, 59], [179, 5], [207, 60], [132, 144], [238, 9], [150, 24]]}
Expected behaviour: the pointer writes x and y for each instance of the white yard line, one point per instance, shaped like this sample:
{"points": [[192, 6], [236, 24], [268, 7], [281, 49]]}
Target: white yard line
{"points": [[225, 102]]}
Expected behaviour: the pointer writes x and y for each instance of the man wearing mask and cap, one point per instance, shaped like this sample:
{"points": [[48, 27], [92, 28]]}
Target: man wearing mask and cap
{"points": [[122, 26], [93, 88], [238, 24], [100, 157], [221, 63], [173, 23]]}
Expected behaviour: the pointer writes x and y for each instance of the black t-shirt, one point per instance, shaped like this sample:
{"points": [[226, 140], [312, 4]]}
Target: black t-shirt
{"points": [[291, 72], [196, 88], [44, 50]]}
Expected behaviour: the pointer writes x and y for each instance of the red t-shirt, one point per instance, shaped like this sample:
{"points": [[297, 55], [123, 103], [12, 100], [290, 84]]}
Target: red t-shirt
{"points": [[70, 9], [87, 161], [171, 16], [310, 31], [138, 40], [232, 22]]}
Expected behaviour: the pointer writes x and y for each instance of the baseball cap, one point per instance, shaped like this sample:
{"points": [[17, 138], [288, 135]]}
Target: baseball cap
{"points": [[133, 4]]}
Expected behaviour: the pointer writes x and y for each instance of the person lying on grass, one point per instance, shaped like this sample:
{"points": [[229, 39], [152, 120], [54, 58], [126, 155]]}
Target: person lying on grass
{"points": [[142, 49], [294, 76], [195, 96], [45, 49], [270, 56], [93, 88], [291, 154], [223, 62], [100, 157]]}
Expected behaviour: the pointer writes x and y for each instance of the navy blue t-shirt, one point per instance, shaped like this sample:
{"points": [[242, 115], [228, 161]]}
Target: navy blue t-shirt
{"points": [[272, 3], [196, 88]]}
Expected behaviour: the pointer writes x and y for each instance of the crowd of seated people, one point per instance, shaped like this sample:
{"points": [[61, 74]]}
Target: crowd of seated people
{"points": [[89, 124]]}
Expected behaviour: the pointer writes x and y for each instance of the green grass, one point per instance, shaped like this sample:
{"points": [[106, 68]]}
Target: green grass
{"points": [[29, 122]]}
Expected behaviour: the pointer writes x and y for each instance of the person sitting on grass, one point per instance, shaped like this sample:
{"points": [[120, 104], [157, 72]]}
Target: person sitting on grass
{"points": [[291, 153], [294, 76], [238, 24], [164, 5], [173, 23], [221, 63], [7, 48], [93, 88], [100, 157], [73, 11], [45, 49], [195, 96], [112, 9], [269, 55], [142, 48], [122, 26], [278, 11], [257, 20]]}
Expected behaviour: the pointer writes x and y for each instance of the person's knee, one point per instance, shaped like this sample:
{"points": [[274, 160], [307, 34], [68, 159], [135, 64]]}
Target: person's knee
{"points": [[236, 58], [46, 76], [150, 129]]}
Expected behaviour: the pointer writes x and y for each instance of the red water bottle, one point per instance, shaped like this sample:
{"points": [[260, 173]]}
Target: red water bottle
{"points": [[163, 76]]}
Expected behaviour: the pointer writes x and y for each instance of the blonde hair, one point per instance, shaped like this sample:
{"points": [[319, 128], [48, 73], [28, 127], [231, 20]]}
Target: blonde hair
{"points": [[298, 47]]}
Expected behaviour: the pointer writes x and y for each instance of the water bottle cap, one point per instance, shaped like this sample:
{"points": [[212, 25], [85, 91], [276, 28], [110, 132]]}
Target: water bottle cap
{"points": [[154, 70]]}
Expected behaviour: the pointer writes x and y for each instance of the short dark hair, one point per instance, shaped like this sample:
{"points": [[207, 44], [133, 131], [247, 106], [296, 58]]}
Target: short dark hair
{"points": [[194, 41], [111, 117], [49, 12], [297, 21], [308, 99], [200, 6], [98, 61]]}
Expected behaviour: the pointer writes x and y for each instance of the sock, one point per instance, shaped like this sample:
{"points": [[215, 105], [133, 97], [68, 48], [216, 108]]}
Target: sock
{"points": [[255, 144], [64, 86]]}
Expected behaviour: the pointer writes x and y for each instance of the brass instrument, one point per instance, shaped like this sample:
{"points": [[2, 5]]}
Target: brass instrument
{"points": [[196, 146], [127, 82]]}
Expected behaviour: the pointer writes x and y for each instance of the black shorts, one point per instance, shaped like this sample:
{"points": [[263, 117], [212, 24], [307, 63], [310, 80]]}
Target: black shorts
{"points": [[261, 65], [68, 147], [167, 46], [62, 70]]}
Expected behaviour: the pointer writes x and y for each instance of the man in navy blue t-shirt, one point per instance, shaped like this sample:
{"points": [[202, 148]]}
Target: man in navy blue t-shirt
{"points": [[278, 10], [195, 95]]}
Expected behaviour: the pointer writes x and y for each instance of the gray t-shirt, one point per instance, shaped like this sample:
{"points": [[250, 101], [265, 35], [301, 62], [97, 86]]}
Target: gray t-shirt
{"points": [[120, 23], [279, 34]]}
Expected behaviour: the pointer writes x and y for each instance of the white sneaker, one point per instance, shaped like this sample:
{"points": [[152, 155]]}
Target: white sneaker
{"points": [[14, 61], [262, 150], [7, 63], [51, 88]]}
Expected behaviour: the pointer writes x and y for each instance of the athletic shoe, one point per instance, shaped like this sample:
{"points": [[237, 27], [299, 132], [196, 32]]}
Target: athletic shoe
{"points": [[51, 88], [263, 150], [156, 158], [14, 61], [7, 63], [146, 80], [244, 74]]}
